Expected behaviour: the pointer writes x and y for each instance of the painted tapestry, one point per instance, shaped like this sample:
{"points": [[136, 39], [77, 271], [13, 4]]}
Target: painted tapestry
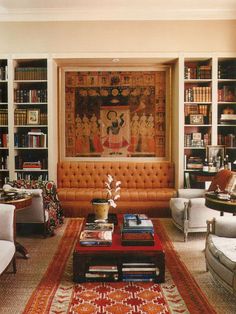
{"points": [[115, 113]]}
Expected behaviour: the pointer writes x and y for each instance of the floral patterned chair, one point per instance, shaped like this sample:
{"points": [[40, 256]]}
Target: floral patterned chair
{"points": [[45, 206]]}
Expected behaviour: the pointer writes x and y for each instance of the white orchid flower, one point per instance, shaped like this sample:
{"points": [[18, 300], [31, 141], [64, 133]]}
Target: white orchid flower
{"points": [[112, 203], [117, 189], [110, 178], [118, 183], [116, 197]]}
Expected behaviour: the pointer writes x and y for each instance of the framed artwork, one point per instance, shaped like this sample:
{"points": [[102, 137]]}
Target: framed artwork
{"points": [[213, 152], [33, 116], [114, 113], [196, 119]]}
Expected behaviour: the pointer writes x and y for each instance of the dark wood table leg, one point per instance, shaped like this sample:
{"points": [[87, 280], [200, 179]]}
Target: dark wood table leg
{"points": [[160, 263]]}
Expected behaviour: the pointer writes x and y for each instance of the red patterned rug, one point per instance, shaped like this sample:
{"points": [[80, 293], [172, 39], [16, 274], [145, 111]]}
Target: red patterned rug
{"points": [[56, 293]]}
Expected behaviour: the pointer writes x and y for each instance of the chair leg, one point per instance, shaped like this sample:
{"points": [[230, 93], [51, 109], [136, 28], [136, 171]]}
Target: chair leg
{"points": [[185, 236]]}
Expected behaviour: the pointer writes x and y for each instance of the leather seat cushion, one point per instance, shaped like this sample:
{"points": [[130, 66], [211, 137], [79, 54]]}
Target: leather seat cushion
{"points": [[223, 249], [84, 194]]}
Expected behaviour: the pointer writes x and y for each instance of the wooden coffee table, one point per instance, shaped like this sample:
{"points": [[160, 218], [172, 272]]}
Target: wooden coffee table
{"points": [[117, 254]]}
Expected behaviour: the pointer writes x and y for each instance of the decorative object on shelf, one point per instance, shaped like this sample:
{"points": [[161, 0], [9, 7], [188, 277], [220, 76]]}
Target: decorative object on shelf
{"points": [[101, 206], [214, 152], [196, 119], [33, 116]]}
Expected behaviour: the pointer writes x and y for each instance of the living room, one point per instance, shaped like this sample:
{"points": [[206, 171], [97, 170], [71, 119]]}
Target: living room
{"points": [[88, 54]]}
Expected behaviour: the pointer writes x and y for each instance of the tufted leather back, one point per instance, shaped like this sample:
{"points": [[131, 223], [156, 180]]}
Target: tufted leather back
{"points": [[76, 174]]}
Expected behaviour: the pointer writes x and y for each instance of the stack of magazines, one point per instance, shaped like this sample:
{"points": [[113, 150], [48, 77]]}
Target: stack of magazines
{"points": [[139, 271], [137, 229], [102, 273], [97, 234]]}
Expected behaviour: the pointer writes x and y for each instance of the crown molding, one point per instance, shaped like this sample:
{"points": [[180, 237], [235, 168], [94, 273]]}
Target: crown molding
{"points": [[40, 15]]}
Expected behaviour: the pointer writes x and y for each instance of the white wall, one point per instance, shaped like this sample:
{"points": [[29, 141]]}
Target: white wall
{"points": [[146, 36]]}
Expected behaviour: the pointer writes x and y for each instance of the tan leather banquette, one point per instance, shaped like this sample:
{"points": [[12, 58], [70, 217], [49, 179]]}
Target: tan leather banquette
{"points": [[145, 187]]}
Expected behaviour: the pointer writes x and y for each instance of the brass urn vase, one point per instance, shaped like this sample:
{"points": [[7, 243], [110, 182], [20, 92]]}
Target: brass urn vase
{"points": [[101, 208]]}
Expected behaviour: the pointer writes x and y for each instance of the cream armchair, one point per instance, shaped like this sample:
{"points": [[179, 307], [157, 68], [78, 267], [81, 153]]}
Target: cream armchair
{"points": [[220, 251], [188, 210], [189, 213], [7, 237]]}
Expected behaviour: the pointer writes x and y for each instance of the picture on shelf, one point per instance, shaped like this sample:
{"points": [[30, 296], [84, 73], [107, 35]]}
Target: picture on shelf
{"points": [[214, 152], [196, 119], [33, 116]]}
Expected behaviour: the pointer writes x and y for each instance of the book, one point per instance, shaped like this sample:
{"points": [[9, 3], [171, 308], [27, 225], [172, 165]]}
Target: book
{"points": [[99, 226], [95, 238], [135, 239], [103, 268]]}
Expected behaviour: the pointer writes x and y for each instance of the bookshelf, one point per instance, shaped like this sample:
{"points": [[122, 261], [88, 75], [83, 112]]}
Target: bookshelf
{"points": [[207, 105], [197, 112], [226, 104], [30, 86], [4, 146]]}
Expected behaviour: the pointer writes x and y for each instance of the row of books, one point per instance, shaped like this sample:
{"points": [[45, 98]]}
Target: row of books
{"points": [[20, 117], [3, 117], [227, 71], [138, 271], [198, 94], [195, 71], [227, 93], [197, 139], [102, 272], [30, 95], [137, 229], [30, 140], [30, 73], [228, 140], [21, 160], [195, 109], [97, 234]]}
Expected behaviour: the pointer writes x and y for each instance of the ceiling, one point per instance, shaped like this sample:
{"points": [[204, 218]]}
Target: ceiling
{"points": [[98, 10]]}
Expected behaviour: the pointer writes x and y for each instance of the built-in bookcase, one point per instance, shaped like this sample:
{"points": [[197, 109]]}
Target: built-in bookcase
{"points": [[30, 118], [197, 112], [209, 112], [226, 104], [4, 143]]}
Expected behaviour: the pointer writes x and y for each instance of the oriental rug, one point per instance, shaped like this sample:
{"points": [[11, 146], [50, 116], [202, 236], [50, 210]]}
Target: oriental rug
{"points": [[56, 292]]}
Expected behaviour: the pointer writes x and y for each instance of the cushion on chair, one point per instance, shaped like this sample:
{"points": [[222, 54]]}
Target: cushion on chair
{"points": [[226, 227], [223, 249], [6, 253]]}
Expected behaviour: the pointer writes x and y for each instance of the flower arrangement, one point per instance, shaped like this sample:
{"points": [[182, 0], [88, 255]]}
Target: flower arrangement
{"points": [[113, 190]]}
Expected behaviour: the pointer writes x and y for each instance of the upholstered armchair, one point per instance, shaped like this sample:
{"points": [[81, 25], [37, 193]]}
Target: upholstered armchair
{"points": [[45, 208], [220, 250], [188, 210], [7, 237]]}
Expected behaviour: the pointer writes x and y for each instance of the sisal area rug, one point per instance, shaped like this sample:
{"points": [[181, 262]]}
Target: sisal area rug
{"points": [[56, 293]]}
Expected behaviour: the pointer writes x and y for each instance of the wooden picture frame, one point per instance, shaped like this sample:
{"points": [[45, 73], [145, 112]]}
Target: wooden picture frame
{"points": [[196, 119], [33, 116], [215, 151]]}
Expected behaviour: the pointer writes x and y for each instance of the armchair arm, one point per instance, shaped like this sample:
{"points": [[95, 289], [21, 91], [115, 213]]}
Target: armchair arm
{"points": [[225, 226], [191, 193], [7, 214]]}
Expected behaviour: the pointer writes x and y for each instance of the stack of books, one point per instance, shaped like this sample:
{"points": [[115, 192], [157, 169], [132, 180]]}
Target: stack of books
{"points": [[139, 271], [137, 229], [97, 234], [102, 272]]}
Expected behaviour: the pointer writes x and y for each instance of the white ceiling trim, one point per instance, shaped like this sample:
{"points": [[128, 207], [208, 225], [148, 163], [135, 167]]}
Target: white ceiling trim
{"points": [[64, 14]]}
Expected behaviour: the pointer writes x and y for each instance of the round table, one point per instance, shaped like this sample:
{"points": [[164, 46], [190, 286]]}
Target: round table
{"points": [[20, 203], [220, 205]]}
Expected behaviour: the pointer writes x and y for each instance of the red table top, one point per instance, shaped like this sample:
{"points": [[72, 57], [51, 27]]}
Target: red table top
{"points": [[116, 244]]}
